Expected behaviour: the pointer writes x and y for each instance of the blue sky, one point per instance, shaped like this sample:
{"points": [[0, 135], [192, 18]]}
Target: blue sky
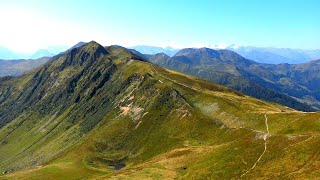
{"points": [[34, 24]]}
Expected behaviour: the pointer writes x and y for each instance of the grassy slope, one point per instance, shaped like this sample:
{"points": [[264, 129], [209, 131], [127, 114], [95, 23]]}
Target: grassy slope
{"points": [[172, 125], [228, 68]]}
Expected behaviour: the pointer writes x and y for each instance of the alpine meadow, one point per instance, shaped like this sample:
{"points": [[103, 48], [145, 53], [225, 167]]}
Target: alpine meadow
{"points": [[176, 99]]}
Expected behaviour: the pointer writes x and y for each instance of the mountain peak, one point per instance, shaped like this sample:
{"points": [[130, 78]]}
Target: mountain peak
{"points": [[196, 52], [162, 54], [92, 42], [91, 51], [93, 48], [90, 46], [207, 55]]}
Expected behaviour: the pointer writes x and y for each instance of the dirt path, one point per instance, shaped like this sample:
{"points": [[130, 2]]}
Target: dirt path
{"points": [[265, 137]]}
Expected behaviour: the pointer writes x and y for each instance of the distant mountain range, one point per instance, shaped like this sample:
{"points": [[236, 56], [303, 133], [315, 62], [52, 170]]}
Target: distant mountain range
{"points": [[7, 54], [144, 49], [263, 81], [282, 83], [18, 67], [97, 112], [272, 55], [267, 55]]}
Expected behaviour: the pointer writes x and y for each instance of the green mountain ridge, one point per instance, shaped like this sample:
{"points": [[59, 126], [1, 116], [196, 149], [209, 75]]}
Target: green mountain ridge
{"points": [[99, 112], [263, 81]]}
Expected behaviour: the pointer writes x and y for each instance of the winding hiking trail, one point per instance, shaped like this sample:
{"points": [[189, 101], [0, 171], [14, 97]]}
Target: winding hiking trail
{"points": [[265, 137]]}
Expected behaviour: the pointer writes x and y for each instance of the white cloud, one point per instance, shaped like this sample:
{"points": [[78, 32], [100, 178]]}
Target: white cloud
{"points": [[24, 30]]}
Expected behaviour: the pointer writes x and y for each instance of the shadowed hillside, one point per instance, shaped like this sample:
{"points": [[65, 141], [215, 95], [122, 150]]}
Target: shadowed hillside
{"points": [[290, 85]]}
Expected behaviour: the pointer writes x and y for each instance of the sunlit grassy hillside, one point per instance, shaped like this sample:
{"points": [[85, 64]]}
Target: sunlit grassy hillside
{"points": [[99, 113]]}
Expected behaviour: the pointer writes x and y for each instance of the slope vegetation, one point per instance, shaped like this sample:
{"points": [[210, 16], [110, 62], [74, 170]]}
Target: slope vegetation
{"points": [[102, 112], [282, 83]]}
